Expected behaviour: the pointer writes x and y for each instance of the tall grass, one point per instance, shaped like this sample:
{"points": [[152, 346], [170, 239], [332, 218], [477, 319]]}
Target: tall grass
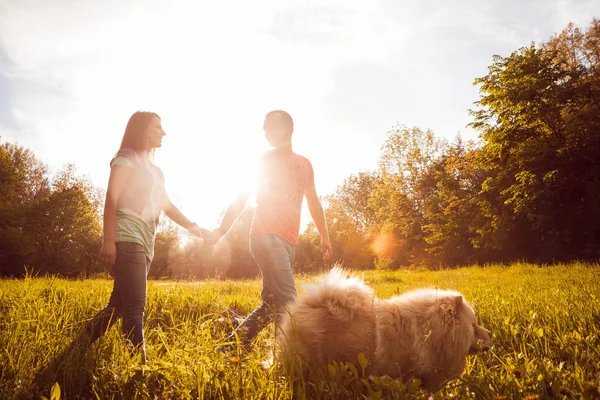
{"points": [[545, 322]]}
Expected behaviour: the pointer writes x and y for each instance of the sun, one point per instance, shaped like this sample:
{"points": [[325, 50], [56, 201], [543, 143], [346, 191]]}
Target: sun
{"points": [[204, 173]]}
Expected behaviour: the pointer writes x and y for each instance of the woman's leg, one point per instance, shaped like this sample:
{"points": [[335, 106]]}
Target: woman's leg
{"points": [[106, 317], [132, 273]]}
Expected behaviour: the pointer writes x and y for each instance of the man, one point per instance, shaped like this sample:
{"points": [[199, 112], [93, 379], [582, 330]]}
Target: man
{"points": [[285, 178]]}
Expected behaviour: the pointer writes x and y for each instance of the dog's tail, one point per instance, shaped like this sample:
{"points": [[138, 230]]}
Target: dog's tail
{"points": [[341, 293]]}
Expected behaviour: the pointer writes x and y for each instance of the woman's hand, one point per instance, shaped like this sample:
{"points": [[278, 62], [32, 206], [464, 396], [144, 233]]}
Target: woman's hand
{"points": [[213, 237], [210, 238], [108, 254]]}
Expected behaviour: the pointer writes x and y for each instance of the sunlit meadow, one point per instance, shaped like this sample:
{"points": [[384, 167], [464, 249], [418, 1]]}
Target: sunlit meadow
{"points": [[545, 322]]}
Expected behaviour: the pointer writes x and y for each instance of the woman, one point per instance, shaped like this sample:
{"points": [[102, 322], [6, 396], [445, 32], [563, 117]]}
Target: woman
{"points": [[134, 199]]}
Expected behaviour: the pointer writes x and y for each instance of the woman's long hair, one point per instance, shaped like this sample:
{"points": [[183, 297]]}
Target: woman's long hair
{"points": [[135, 132]]}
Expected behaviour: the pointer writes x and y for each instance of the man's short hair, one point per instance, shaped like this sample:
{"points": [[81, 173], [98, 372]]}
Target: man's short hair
{"points": [[284, 117]]}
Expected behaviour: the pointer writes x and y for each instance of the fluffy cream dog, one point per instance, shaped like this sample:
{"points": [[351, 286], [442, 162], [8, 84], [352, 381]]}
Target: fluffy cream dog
{"points": [[425, 334]]}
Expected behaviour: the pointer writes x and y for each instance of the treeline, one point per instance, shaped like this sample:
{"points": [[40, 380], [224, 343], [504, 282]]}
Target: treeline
{"points": [[46, 225], [54, 226], [529, 189]]}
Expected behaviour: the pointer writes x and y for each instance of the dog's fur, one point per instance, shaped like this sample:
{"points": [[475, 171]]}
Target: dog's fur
{"points": [[424, 334]]}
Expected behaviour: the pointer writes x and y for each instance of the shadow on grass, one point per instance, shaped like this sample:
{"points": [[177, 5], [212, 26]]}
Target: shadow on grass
{"points": [[70, 368]]}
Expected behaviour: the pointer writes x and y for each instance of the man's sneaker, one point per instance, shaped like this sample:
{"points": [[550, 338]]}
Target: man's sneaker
{"points": [[226, 348], [232, 320], [235, 318]]}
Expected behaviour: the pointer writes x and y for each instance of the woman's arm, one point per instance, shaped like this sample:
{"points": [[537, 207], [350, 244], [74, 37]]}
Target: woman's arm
{"points": [[177, 216], [119, 175]]}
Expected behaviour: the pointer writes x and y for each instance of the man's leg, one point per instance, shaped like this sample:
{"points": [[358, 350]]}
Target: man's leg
{"points": [[281, 287], [275, 258]]}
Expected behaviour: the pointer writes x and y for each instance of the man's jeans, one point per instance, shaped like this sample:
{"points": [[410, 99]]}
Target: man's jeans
{"points": [[275, 258], [128, 298]]}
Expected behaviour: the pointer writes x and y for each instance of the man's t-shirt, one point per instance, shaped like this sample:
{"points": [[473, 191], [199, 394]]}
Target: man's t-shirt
{"points": [[283, 179]]}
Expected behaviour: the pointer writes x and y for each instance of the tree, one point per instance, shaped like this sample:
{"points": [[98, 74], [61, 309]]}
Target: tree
{"points": [[351, 200], [30, 181], [398, 198], [66, 227], [538, 117], [166, 251], [352, 220], [405, 157], [22, 184], [308, 251], [450, 209]]}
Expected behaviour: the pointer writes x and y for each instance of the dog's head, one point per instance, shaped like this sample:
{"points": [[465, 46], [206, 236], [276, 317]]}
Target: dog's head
{"points": [[452, 333], [459, 318], [481, 341], [481, 337]]}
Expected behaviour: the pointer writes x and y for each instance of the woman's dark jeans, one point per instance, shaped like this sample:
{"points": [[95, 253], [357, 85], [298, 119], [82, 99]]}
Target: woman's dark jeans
{"points": [[128, 298]]}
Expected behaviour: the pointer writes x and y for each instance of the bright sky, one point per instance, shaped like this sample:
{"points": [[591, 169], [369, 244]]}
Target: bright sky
{"points": [[72, 72]]}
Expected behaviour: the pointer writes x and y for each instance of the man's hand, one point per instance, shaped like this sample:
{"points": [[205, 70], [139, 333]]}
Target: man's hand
{"points": [[213, 237], [210, 238], [326, 248], [108, 254], [198, 232]]}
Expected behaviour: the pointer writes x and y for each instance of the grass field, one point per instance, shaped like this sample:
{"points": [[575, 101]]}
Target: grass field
{"points": [[545, 321]]}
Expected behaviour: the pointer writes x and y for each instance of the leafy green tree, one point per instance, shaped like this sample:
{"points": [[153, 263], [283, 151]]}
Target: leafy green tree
{"points": [[30, 176], [352, 220], [66, 227], [23, 183], [166, 253], [397, 198], [450, 188], [308, 251], [351, 200], [538, 117]]}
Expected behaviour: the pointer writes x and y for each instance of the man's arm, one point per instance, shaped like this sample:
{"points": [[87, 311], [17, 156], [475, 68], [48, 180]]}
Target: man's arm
{"points": [[318, 215], [231, 215], [234, 210]]}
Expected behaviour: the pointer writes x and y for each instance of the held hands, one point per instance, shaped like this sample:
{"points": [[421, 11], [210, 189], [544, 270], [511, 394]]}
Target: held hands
{"points": [[326, 248], [210, 238], [198, 232]]}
